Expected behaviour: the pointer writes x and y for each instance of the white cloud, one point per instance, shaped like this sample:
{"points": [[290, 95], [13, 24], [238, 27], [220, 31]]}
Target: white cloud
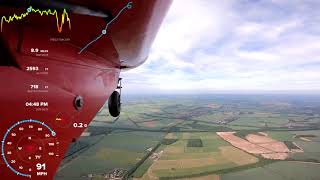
{"points": [[209, 45]]}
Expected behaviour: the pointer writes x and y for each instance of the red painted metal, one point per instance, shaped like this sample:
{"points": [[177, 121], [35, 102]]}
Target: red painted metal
{"points": [[62, 74]]}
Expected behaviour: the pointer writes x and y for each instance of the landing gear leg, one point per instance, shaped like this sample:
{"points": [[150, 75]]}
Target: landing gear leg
{"points": [[114, 102]]}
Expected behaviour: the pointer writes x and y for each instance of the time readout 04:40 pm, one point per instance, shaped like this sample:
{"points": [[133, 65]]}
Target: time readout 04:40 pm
{"points": [[37, 104]]}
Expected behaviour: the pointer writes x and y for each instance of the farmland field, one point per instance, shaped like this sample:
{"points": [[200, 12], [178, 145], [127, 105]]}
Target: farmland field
{"points": [[278, 171], [180, 160], [176, 137], [118, 149]]}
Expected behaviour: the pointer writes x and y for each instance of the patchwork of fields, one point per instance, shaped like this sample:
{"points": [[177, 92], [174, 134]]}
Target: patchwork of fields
{"points": [[177, 137], [116, 150], [180, 161]]}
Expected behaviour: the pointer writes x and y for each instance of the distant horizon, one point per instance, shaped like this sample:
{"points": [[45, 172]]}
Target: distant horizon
{"points": [[313, 93], [210, 45]]}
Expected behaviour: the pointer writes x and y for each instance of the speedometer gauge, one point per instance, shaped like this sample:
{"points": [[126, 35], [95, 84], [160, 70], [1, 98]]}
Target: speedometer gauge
{"points": [[27, 146]]}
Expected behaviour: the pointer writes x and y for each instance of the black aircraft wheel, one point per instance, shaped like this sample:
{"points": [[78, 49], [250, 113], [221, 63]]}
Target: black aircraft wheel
{"points": [[114, 104]]}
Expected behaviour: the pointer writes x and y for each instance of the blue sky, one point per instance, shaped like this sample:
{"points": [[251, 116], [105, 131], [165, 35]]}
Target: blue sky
{"points": [[207, 46]]}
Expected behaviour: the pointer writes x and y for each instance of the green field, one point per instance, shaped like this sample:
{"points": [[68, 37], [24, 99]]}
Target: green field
{"points": [[281, 135], [117, 150], [186, 127], [311, 152], [182, 160], [278, 171]]}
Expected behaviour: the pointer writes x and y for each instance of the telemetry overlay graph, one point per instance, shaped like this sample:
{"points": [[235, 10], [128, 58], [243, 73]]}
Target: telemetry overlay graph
{"points": [[104, 30], [64, 17]]}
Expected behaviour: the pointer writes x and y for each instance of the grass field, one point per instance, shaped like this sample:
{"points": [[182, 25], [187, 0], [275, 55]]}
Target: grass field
{"points": [[180, 160], [177, 120], [278, 171], [311, 151], [260, 121], [143, 168], [281, 135], [117, 150]]}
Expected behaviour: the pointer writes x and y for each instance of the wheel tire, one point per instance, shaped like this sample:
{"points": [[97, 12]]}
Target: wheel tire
{"points": [[114, 104]]}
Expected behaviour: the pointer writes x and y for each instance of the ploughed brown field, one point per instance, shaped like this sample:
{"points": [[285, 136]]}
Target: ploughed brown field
{"points": [[258, 144]]}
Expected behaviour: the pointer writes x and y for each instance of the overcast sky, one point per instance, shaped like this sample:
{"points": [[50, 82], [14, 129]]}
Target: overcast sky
{"points": [[233, 45]]}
